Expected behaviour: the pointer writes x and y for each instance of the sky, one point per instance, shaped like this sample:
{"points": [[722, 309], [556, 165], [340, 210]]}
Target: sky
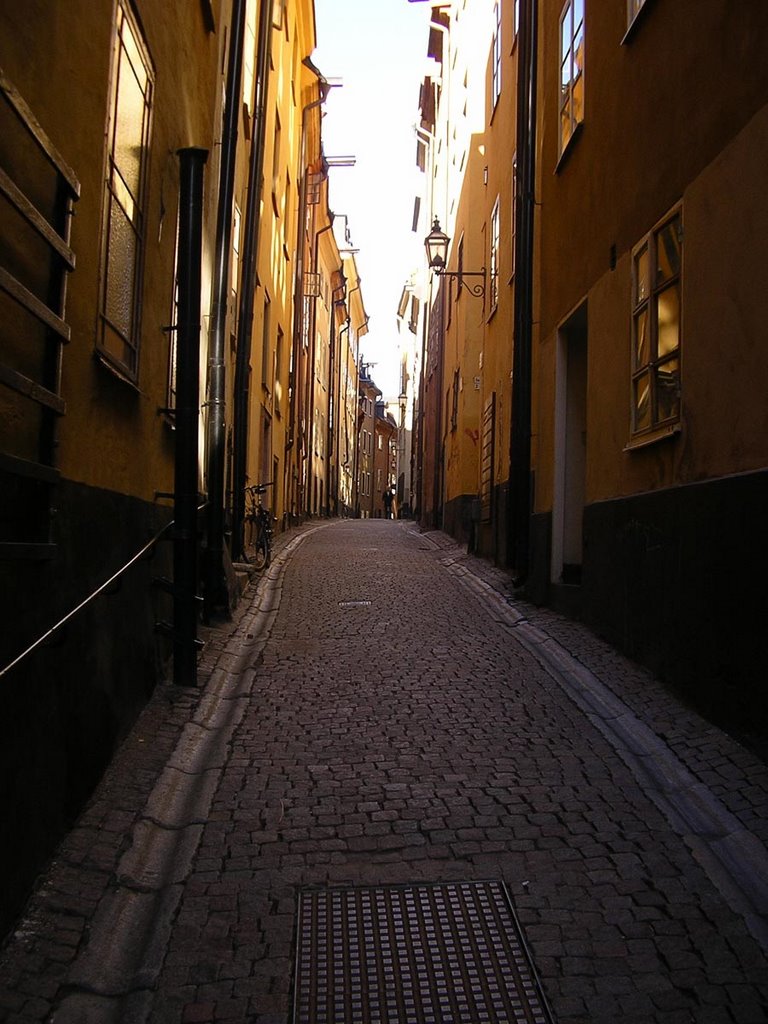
{"points": [[379, 52]]}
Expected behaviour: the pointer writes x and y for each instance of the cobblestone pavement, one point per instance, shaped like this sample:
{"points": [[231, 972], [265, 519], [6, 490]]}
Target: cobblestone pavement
{"points": [[443, 732]]}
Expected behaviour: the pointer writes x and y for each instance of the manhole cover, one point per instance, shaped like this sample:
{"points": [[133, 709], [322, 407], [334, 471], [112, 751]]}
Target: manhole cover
{"points": [[354, 604], [441, 954]]}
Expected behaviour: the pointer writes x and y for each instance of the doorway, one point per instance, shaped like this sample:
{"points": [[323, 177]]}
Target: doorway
{"points": [[570, 449]]}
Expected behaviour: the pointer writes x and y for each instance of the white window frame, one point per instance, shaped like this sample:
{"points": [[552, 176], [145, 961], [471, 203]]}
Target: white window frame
{"points": [[571, 72], [634, 7], [496, 57], [125, 199], [513, 217], [654, 372], [493, 266]]}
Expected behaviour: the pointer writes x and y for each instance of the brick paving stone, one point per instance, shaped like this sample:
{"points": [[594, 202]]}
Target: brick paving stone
{"points": [[415, 740]]}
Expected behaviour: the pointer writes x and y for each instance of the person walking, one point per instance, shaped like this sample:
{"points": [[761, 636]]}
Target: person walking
{"points": [[387, 497]]}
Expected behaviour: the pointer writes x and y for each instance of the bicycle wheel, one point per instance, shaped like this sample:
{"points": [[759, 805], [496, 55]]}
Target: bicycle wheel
{"points": [[249, 533], [260, 558]]}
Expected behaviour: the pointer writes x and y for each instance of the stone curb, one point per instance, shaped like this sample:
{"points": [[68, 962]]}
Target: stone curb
{"points": [[733, 858], [112, 977]]}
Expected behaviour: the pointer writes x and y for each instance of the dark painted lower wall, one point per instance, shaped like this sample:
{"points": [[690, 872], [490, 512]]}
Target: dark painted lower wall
{"points": [[491, 537], [457, 517], [677, 580], [68, 705]]}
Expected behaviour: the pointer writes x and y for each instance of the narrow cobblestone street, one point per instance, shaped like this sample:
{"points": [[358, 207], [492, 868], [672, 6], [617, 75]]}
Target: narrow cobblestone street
{"points": [[383, 711]]}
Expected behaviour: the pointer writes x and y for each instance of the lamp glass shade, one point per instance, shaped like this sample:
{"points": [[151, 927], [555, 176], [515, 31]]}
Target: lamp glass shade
{"points": [[436, 244]]}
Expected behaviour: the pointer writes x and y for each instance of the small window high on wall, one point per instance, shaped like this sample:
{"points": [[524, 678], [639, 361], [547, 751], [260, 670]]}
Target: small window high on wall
{"points": [[656, 329], [571, 70], [125, 196]]}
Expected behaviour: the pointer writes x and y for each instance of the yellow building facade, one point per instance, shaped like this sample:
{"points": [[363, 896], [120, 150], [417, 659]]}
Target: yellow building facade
{"points": [[611, 194], [218, 101]]}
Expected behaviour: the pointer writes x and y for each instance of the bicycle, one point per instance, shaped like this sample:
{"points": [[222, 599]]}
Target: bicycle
{"points": [[258, 528]]}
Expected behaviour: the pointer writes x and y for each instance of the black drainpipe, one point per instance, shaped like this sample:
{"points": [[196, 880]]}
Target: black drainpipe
{"points": [[248, 286], [215, 588], [519, 508], [185, 610]]}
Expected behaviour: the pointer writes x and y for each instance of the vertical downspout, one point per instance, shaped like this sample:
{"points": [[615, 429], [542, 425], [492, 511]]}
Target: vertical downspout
{"points": [[215, 442], [519, 512], [248, 287], [191, 163]]}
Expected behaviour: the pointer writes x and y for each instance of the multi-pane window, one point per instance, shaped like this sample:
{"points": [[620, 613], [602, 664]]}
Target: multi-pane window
{"points": [[496, 60], [571, 70], [249, 52], [656, 294], [266, 341], [125, 195], [173, 331], [236, 233], [494, 262], [279, 371]]}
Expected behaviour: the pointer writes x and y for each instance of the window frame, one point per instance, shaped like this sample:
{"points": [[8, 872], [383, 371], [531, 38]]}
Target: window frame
{"points": [[266, 340], [644, 309], [494, 223], [634, 8], [496, 55], [566, 99], [513, 219], [117, 195], [173, 331]]}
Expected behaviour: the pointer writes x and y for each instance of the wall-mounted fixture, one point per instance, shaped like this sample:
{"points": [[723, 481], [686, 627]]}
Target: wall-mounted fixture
{"points": [[436, 243]]}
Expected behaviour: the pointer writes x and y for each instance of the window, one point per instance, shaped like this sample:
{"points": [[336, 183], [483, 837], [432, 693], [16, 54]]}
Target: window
{"points": [[656, 293], [633, 9], [513, 217], [266, 329], [276, 167], [170, 398], [249, 51], [494, 266], [125, 196], [235, 281], [459, 268], [278, 371], [496, 60], [571, 70]]}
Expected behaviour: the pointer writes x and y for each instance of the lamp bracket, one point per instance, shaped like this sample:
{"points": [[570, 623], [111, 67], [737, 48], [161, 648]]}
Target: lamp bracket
{"points": [[478, 290]]}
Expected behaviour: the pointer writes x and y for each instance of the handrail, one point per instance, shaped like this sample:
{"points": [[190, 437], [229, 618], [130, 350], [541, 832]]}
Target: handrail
{"points": [[87, 601]]}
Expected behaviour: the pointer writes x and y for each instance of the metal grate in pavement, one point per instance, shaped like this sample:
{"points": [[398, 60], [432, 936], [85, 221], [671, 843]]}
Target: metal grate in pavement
{"points": [[450, 953]]}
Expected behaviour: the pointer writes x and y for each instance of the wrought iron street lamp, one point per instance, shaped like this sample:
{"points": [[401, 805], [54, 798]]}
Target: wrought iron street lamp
{"points": [[436, 243]]}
